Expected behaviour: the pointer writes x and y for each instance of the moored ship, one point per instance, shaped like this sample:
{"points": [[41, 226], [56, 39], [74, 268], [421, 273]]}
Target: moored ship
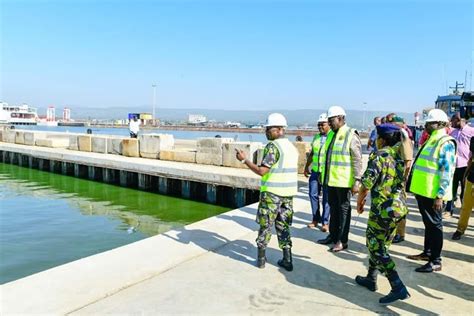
{"points": [[18, 114]]}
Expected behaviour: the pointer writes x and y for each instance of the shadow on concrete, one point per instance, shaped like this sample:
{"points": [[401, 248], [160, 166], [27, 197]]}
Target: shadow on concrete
{"points": [[216, 243], [343, 287], [436, 281]]}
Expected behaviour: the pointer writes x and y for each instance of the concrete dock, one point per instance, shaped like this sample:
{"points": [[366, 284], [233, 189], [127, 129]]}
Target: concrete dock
{"points": [[209, 268]]}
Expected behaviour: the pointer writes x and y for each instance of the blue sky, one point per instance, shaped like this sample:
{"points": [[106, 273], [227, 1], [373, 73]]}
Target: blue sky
{"points": [[248, 55]]}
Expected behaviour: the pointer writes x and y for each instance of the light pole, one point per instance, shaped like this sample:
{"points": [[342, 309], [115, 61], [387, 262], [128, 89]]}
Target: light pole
{"points": [[364, 108], [154, 100]]}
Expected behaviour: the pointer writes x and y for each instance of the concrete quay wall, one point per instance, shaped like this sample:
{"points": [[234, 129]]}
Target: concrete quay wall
{"points": [[208, 150], [213, 184]]}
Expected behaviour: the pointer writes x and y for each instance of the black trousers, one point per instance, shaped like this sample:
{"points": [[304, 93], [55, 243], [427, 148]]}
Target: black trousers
{"points": [[433, 221], [340, 209], [458, 178]]}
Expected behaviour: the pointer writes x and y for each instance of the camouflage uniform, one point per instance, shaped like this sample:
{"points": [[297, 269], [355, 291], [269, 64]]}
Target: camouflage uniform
{"points": [[273, 209], [384, 177]]}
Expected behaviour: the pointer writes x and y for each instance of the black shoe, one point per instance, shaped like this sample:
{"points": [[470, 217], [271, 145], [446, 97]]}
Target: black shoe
{"points": [[395, 295], [287, 261], [398, 292], [326, 241], [261, 259], [429, 267], [420, 257], [398, 239], [457, 235], [367, 282]]}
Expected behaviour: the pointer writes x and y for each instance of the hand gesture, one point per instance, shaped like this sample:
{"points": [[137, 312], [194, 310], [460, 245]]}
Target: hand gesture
{"points": [[240, 154], [360, 205], [306, 173]]}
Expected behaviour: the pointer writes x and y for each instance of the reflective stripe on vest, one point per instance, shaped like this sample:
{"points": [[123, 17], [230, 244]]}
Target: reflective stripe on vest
{"points": [[322, 155], [282, 178], [426, 175], [341, 173], [316, 152]]}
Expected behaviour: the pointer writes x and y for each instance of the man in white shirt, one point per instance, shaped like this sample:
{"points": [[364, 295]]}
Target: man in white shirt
{"points": [[134, 127]]}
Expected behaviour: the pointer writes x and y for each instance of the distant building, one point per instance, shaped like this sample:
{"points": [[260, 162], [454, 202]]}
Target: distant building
{"points": [[232, 124], [51, 114], [196, 119], [66, 114]]}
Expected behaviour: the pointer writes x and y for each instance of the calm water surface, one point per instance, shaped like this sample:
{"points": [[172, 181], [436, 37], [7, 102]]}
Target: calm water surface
{"points": [[48, 219]]}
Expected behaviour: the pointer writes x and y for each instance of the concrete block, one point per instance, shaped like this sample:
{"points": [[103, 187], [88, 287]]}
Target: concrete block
{"points": [[53, 142], [228, 155], [209, 150], [9, 136], [31, 137], [212, 142], [130, 147], [303, 150], [19, 137], [178, 155], [152, 144], [209, 156], [73, 142], [114, 145], [85, 143], [99, 144]]}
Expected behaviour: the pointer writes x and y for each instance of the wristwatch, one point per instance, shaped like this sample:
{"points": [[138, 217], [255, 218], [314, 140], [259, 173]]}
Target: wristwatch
{"points": [[243, 160]]}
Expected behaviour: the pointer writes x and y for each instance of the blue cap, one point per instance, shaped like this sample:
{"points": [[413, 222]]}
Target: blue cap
{"points": [[387, 128]]}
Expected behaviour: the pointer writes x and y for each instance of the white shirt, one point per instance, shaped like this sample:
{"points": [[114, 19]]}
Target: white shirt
{"points": [[134, 126]]}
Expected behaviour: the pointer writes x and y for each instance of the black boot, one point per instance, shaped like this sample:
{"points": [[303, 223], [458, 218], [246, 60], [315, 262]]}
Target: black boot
{"points": [[287, 261], [398, 292], [261, 258], [370, 281]]}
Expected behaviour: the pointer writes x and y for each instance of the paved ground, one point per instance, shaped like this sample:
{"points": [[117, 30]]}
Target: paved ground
{"points": [[225, 281], [209, 268]]}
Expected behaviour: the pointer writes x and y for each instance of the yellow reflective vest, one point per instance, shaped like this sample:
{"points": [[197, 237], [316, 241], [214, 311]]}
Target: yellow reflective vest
{"points": [[426, 175], [341, 173], [282, 178], [317, 152]]}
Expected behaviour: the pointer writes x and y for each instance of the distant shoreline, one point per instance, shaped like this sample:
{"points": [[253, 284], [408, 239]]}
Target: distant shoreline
{"points": [[305, 132]]}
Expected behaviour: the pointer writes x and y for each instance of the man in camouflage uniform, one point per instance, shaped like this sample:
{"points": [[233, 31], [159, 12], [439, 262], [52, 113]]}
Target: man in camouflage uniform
{"points": [[384, 178], [279, 184]]}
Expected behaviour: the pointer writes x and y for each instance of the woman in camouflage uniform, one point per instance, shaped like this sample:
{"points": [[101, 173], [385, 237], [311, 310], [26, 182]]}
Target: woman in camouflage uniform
{"points": [[384, 178]]}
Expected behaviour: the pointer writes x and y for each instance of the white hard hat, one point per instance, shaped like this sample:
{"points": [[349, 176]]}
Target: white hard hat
{"points": [[437, 115], [336, 111], [276, 119], [323, 118]]}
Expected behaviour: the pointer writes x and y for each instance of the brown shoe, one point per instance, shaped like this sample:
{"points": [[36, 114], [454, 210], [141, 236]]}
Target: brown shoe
{"points": [[325, 228], [339, 246], [446, 215], [420, 257], [313, 224]]}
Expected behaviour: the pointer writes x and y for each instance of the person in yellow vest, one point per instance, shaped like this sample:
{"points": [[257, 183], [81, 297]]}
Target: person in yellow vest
{"points": [[279, 184], [431, 180], [315, 183], [341, 170]]}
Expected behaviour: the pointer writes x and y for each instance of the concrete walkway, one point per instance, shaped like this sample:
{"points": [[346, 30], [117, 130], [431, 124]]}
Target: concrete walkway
{"points": [[209, 268]]}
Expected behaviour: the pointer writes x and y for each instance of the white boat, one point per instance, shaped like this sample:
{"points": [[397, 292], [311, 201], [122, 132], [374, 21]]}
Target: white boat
{"points": [[18, 114]]}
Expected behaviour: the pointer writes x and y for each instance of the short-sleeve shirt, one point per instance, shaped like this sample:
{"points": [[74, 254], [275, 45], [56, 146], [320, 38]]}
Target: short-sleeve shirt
{"points": [[384, 178], [462, 137], [271, 154], [406, 148]]}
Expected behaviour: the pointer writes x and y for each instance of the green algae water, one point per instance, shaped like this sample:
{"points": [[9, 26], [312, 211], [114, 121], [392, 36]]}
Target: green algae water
{"points": [[48, 219]]}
